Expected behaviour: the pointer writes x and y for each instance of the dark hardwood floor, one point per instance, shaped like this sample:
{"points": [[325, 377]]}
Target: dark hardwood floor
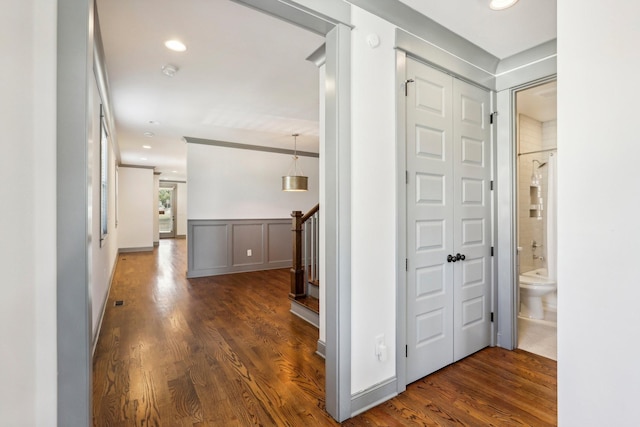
{"points": [[225, 351]]}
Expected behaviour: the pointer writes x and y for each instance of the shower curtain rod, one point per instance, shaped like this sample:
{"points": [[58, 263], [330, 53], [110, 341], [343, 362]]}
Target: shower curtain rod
{"points": [[539, 151]]}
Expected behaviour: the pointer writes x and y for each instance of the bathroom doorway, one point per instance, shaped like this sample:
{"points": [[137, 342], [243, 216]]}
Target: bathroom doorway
{"points": [[536, 144]]}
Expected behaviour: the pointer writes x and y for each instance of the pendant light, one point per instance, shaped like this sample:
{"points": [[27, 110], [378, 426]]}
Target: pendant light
{"points": [[295, 179]]}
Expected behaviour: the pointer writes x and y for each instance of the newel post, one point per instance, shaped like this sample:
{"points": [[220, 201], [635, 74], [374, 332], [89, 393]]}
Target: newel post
{"points": [[297, 272]]}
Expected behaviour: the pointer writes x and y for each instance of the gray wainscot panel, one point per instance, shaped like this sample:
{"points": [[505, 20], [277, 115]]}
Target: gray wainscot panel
{"points": [[240, 245], [248, 241], [279, 241]]}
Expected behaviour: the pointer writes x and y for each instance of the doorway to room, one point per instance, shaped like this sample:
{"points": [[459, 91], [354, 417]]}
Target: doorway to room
{"points": [[536, 188], [167, 211], [74, 396]]}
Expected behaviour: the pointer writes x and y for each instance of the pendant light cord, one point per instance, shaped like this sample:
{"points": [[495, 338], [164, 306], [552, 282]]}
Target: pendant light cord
{"points": [[297, 170]]}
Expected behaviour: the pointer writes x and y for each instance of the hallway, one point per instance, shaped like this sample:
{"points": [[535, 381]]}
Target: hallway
{"points": [[225, 351], [221, 350]]}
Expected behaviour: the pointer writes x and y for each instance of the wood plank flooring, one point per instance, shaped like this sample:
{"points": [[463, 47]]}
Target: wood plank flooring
{"points": [[225, 351]]}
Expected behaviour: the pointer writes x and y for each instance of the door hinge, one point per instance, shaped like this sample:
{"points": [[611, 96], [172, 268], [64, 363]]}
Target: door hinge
{"points": [[493, 117], [406, 264], [492, 317], [491, 185], [406, 86], [406, 177], [491, 250], [406, 351]]}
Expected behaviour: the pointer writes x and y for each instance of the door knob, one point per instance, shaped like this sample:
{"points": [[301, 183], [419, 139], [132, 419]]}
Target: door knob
{"points": [[451, 258], [460, 257]]}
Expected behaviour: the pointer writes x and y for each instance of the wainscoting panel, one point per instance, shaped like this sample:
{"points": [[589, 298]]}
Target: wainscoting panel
{"points": [[208, 246], [248, 241], [279, 248], [231, 246]]}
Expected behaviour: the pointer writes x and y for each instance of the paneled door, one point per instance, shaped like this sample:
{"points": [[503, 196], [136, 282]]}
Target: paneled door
{"points": [[471, 219], [448, 220]]}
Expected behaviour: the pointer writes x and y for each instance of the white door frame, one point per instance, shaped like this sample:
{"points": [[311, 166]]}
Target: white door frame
{"points": [[73, 121], [506, 199], [512, 130], [331, 18], [174, 210]]}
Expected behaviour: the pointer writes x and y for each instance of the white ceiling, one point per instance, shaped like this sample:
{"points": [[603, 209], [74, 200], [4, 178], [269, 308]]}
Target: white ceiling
{"points": [[502, 33], [539, 102], [244, 77]]}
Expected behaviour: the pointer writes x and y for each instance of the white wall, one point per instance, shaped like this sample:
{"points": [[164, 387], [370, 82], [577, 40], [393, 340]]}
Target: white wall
{"points": [[156, 218], [229, 183], [103, 255], [181, 226], [136, 208], [598, 203], [373, 207], [28, 378]]}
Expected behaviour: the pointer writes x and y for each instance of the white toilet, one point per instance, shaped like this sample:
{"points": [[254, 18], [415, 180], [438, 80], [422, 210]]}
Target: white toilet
{"points": [[534, 285]]}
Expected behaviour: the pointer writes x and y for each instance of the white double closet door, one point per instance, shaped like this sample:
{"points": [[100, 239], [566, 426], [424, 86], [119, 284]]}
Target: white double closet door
{"points": [[448, 213]]}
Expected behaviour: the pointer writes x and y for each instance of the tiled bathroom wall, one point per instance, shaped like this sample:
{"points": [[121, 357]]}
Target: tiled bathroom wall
{"points": [[532, 136], [549, 134]]}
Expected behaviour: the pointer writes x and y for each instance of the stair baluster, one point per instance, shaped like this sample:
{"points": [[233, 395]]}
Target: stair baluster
{"points": [[305, 254]]}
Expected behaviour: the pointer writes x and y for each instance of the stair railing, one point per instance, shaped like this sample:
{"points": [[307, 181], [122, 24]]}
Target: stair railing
{"points": [[305, 246]]}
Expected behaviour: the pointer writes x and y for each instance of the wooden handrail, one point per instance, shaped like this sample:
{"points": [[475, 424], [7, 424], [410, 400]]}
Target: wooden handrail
{"points": [[311, 213], [298, 288]]}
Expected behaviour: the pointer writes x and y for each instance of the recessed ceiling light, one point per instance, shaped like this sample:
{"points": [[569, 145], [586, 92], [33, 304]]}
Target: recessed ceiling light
{"points": [[175, 45], [169, 70], [148, 147], [501, 4], [143, 158], [174, 171], [154, 122], [149, 134]]}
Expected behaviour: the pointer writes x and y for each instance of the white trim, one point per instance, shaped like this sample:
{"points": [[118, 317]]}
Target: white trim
{"points": [[506, 200], [373, 396], [75, 68], [104, 307], [520, 67], [304, 313], [401, 225]]}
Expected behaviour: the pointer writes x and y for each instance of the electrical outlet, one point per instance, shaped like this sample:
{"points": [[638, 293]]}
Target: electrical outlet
{"points": [[249, 253]]}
